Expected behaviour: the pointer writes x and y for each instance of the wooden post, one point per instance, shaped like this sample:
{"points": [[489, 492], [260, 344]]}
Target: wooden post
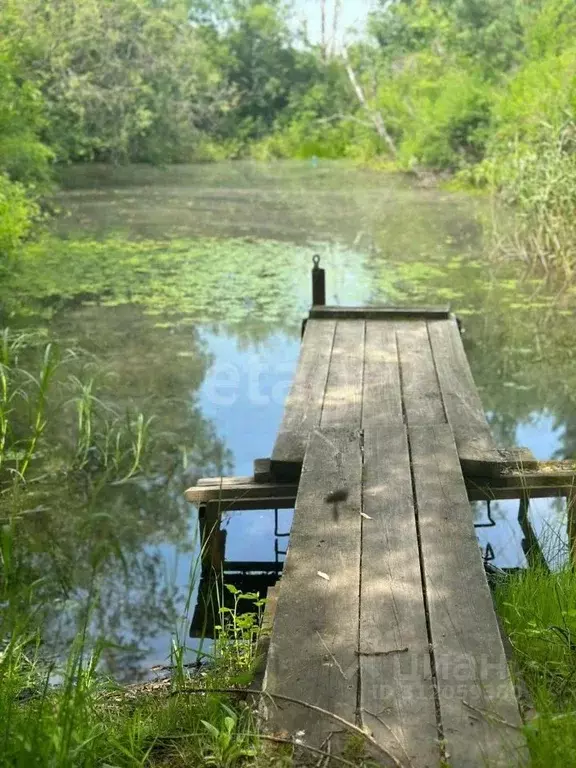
{"points": [[318, 284], [212, 539], [530, 544]]}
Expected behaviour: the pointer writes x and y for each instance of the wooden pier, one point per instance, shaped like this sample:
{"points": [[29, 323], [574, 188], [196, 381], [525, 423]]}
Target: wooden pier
{"points": [[384, 615]]}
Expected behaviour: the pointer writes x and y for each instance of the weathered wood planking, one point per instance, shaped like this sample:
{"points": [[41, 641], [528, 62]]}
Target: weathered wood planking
{"points": [[313, 648], [304, 403], [236, 491], [461, 399], [549, 478], [342, 404], [477, 448], [420, 389], [397, 696], [470, 662], [382, 398], [378, 313]]}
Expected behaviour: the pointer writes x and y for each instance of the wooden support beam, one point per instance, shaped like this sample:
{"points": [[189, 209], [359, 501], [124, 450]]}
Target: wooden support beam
{"points": [[212, 539], [378, 313], [488, 492], [262, 471], [530, 544], [546, 478], [240, 490]]}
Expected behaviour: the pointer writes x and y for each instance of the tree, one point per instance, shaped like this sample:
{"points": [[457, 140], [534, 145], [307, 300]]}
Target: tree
{"points": [[121, 79]]}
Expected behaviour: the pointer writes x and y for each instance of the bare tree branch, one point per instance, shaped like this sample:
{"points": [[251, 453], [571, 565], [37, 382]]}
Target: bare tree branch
{"points": [[323, 28], [375, 115], [335, 19]]}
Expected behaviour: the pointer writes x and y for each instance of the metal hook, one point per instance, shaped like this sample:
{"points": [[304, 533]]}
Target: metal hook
{"points": [[316, 261]]}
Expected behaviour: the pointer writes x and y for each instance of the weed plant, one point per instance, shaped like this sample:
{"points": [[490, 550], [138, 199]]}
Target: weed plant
{"points": [[538, 609]]}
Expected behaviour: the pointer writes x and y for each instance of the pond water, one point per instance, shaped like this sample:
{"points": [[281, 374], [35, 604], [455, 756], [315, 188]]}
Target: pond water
{"points": [[189, 296]]}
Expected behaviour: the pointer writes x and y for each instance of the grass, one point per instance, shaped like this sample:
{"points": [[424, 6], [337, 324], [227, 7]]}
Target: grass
{"points": [[538, 609], [69, 714]]}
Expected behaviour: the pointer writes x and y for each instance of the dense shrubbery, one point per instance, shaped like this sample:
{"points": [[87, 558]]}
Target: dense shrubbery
{"points": [[24, 159]]}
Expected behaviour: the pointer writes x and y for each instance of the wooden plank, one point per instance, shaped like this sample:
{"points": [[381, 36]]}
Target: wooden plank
{"points": [[212, 538], [230, 492], [477, 448], [257, 505], [548, 478], [397, 696], [530, 544], [255, 566], [313, 649], [487, 492], [420, 389], [216, 482], [342, 404], [382, 398], [469, 659], [262, 471], [304, 403], [378, 313]]}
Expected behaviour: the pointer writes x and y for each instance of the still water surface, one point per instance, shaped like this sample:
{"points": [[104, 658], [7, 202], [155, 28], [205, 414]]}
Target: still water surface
{"points": [[218, 374]]}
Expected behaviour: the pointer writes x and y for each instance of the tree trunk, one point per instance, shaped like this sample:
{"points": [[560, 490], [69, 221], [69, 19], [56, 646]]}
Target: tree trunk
{"points": [[323, 28], [375, 115]]}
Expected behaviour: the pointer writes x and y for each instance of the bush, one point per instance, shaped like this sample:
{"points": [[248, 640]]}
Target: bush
{"points": [[17, 215], [450, 121]]}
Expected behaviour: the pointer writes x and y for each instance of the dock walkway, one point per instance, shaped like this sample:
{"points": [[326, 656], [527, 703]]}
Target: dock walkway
{"points": [[384, 616]]}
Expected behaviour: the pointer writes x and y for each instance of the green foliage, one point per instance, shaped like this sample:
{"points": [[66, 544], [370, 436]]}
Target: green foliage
{"points": [[24, 159], [488, 89], [121, 79], [450, 115], [69, 714], [18, 213], [539, 614]]}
